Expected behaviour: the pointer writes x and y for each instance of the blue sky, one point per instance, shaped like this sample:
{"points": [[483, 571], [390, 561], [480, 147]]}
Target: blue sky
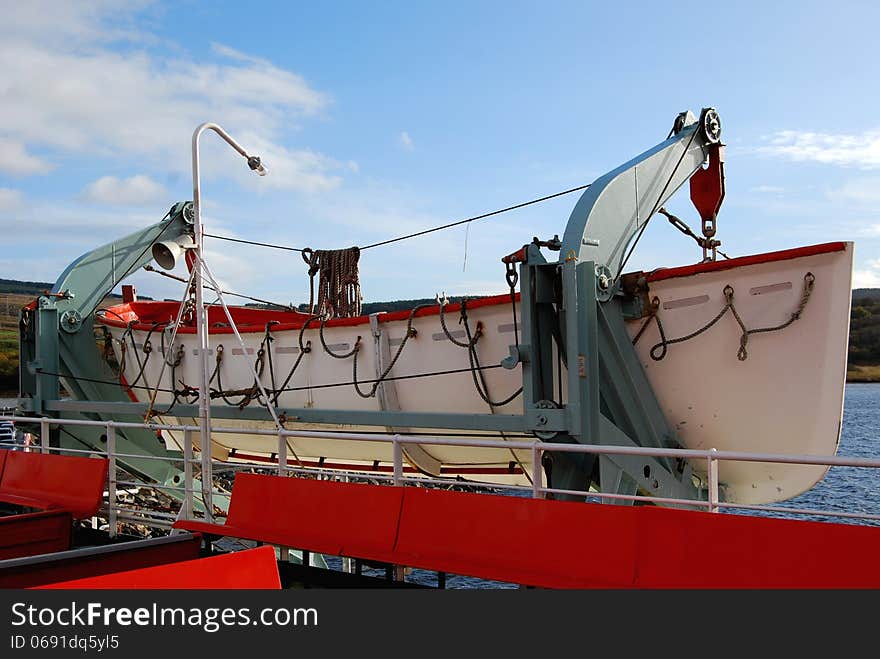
{"points": [[380, 119]]}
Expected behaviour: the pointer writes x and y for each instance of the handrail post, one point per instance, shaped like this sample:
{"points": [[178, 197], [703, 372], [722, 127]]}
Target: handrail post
{"points": [[44, 435], [537, 475], [187, 474], [207, 479], [398, 460], [283, 552], [282, 454], [112, 520], [713, 481]]}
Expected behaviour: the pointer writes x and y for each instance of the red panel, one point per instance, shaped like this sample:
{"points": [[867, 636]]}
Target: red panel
{"points": [[687, 549], [575, 545], [142, 315], [64, 567], [350, 519], [34, 533], [73, 483], [247, 569], [551, 544], [129, 293], [3, 455], [728, 264]]}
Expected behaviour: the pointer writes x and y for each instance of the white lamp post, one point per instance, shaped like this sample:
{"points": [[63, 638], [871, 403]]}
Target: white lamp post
{"points": [[201, 313]]}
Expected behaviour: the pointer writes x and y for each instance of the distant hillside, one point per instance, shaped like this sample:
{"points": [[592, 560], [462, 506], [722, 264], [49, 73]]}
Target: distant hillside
{"points": [[864, 329], [865, 294], [35, 288], [24, 287]]}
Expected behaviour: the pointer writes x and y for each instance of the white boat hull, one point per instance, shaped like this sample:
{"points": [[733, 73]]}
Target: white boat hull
{"points": [[785, 397]]}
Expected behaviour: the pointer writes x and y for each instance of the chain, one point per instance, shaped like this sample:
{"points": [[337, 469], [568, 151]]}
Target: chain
{"points": [[706, 243]]}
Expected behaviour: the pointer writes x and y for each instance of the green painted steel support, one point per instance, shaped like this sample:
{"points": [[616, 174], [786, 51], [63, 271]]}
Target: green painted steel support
{"points": [[46, 352], [610, 399], [626, 391], [546, 420], [524, 351], [64, 350]]}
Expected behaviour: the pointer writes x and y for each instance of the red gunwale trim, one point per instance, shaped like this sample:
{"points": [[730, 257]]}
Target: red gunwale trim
{"points": [[142, 314], [254, 320], [727, 264]]}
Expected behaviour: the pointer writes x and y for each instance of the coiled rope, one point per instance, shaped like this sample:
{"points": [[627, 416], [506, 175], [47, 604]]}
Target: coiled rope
{"points": [[339, 288]]}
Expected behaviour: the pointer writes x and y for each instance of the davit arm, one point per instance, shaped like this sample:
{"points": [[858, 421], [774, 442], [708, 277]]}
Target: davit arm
{"points": [[617, 206], [57, 343]]}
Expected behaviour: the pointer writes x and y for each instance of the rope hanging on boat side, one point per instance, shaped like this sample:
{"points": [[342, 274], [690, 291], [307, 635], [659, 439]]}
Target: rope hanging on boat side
{"points": [[339, 289], [189, 390], [660, 349], [410, 333], [147, 349], [471, 345]]}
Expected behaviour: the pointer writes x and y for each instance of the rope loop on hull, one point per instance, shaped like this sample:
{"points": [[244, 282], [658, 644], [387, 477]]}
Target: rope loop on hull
{"points": [[659, 350]]}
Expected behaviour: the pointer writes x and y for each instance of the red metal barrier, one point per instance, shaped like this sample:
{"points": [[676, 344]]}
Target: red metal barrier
{"points": [[247, 569], [34, 533], [684, 549], [85, 562], [350, 519], [549, 544], [552, 544], [45, 481]]}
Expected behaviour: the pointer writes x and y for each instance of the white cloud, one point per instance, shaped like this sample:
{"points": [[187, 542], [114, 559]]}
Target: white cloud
{"points": [[14, 159], [862, 191], [406, 141], [10, 199], [68, 92], [81, 23], [858, 150], [769, 189], [868, 277], [139, 190]]}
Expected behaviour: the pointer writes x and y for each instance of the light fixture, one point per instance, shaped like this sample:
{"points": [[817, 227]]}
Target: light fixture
{"points": [[257, 166], [166, 252]]}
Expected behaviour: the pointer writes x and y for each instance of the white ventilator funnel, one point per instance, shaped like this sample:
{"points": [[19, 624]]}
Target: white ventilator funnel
{"points": [[166, 252]]}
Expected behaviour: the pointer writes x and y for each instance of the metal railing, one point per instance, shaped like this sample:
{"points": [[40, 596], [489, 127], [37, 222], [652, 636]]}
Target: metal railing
{"points": [[116, 512]]}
